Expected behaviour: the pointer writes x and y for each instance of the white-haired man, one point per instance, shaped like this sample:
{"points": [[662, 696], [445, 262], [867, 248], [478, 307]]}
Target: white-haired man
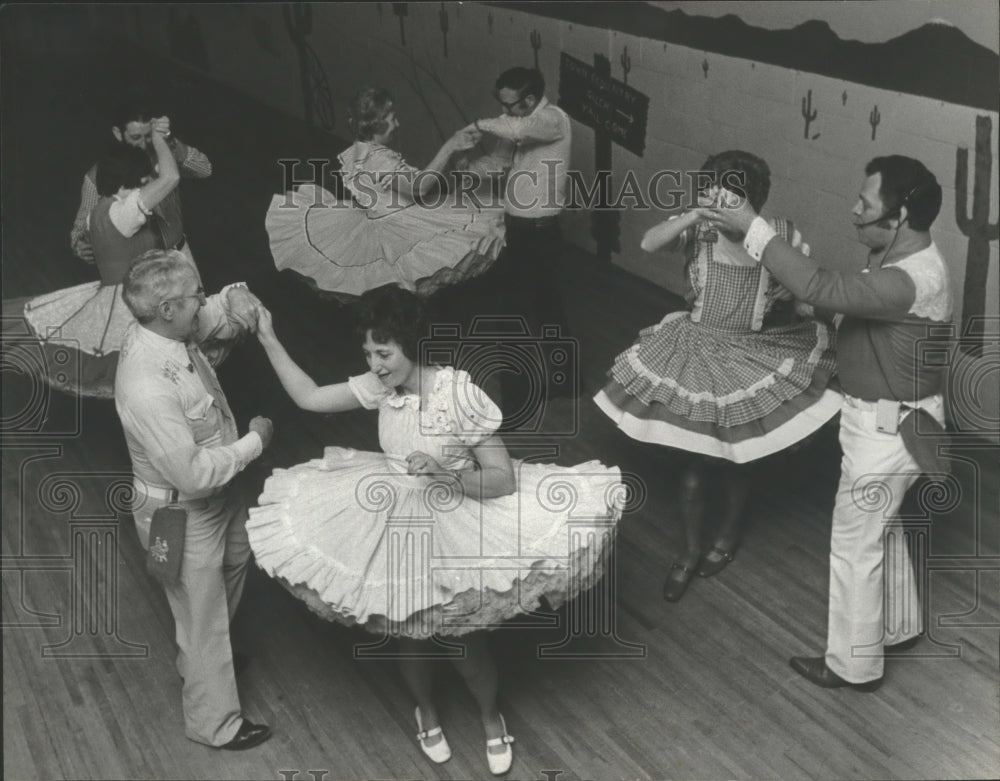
{"points": [[185, 450]]}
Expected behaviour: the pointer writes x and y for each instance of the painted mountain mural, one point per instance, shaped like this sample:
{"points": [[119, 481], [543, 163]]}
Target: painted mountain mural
{"points": [[936, 60]]}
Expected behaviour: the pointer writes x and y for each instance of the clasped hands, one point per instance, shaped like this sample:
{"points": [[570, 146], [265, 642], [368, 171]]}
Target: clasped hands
{"points": [[725, 210], [244, 308], [730, 212], [420, 463]]}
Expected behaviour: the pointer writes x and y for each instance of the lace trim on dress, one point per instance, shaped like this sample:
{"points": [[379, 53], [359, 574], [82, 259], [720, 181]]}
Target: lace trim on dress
{"points": [[454, 407], [737, 396]]}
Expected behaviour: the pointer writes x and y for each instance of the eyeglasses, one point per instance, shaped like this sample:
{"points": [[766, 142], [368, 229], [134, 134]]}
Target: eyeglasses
{"points": [[511, 106], [199, 294]]}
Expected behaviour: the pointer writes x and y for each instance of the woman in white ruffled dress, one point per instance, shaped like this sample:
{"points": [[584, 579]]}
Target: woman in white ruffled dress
{"points": [[401, 226], [442, 534], [80, 329]]}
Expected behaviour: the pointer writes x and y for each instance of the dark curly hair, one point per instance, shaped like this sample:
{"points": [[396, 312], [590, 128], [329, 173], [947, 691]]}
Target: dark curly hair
{"points": [[132, 109], [122, 166], [742, 173], [368, 111], [393, 314], [524, 81]]}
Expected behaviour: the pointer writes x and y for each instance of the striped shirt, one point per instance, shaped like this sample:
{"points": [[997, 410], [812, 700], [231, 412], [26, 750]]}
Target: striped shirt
{"points": [[191, 163]]}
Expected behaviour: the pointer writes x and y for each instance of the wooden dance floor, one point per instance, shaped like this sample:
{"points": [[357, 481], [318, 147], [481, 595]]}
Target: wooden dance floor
{"points": [[618, 685]]}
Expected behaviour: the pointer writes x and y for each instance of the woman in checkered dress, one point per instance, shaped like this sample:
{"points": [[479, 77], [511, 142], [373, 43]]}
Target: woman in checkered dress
{"points": [[727, 379]]}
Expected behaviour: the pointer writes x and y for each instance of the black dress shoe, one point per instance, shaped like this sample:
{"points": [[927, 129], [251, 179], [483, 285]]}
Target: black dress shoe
{"points": [[248, 736], [814, 670], [905, 645]]}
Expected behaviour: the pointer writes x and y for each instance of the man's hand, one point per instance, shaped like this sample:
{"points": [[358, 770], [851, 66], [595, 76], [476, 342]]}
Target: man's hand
{"points": [[84, 251], [242, 307], [264, 428], [730, 212]]}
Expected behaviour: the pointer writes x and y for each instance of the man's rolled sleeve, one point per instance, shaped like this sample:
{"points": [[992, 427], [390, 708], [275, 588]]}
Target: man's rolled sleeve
{"points": [[79, 235], [214, 319], [541, 126], [192, 162]]}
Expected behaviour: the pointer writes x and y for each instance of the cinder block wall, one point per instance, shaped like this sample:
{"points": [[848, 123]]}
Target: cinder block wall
{"points": [[694, 110]]}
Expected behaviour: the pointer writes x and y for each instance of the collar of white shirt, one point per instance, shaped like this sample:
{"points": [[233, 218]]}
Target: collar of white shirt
{"points": [[163, 346]]}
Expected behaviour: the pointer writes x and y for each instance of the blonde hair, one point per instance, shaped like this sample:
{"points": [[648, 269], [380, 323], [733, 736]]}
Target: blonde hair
{"points": [[368, 111]]}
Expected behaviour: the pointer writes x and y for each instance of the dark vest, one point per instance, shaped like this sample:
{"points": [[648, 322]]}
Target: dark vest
{"points": [[112, 251], [168, 212]]}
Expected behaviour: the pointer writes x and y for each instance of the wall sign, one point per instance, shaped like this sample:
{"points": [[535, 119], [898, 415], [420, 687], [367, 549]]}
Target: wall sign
{"points": [[603, 103]]}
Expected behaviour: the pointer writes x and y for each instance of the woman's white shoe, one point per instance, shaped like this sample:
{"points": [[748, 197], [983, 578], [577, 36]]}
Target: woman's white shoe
{"points": [[440, 751], [500, 763]]}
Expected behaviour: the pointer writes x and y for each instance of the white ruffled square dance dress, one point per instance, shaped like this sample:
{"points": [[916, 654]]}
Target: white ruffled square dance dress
{"points": [[380, 237], [73, 336], [361, 542]]}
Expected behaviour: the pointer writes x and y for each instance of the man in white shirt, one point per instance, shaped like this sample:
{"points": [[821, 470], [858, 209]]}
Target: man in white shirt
{"points": [[185, 450], [533, 148], [536, 136]]}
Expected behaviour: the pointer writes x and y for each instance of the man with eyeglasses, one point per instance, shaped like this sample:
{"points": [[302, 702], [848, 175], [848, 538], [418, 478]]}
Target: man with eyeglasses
{"points": [[536, 136], [185, 450], [534, 139]]}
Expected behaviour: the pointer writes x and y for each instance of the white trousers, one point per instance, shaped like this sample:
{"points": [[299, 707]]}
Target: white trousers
{"points": [[214, 568], [873, 595]]}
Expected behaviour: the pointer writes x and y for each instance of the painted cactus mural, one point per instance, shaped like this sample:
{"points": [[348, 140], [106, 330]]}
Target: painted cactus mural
{"points": [[976, 225]]}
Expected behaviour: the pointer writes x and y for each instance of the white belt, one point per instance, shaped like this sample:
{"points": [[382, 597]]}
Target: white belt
{"points": [[927, 401], [171, 495]]}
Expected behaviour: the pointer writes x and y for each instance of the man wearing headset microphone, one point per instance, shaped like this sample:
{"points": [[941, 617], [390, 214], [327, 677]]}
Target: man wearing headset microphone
{"points": [[902, 298]]}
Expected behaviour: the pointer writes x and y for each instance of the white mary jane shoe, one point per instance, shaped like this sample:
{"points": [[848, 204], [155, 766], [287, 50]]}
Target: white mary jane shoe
{"points": [[500, 763], [440, 751]]}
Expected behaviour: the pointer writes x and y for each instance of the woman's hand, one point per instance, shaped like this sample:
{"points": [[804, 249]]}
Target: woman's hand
{"points": [[265, 325], [420, 463], [463, 139], [242, 307], [730, 213]]}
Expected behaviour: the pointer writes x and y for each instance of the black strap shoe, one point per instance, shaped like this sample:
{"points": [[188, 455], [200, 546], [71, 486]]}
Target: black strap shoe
{"points": [[248, 736], [814, 670], [678, 577]]}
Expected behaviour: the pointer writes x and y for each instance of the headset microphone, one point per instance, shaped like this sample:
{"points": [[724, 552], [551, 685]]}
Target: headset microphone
{"points": [[880, 219], [891, 213]]}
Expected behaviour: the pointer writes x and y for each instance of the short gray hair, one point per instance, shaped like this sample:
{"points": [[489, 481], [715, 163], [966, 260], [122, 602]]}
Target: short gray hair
{"points": [[151, 278]]}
